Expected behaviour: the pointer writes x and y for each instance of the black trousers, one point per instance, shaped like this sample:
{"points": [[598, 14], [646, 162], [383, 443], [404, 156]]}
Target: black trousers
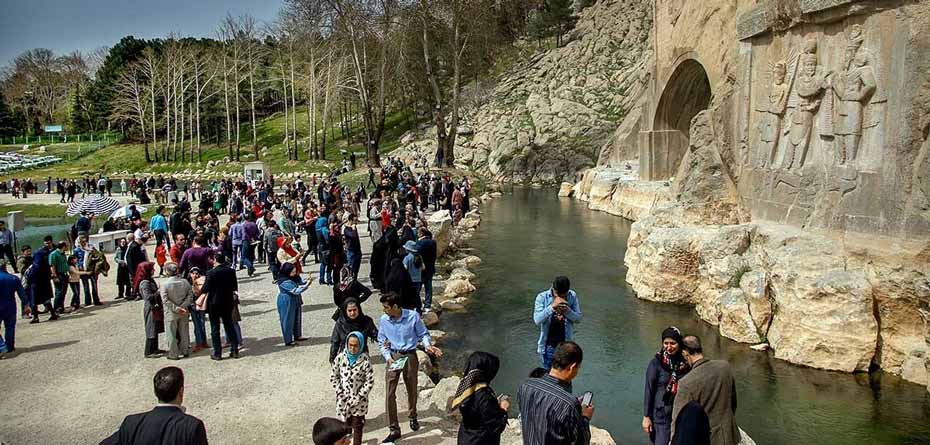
{"points": [[6, 251], [231, 336]]}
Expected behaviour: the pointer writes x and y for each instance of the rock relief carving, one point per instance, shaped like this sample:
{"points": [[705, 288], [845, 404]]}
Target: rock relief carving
{"points": [[811, 84], [773, 109], [854, 87]]}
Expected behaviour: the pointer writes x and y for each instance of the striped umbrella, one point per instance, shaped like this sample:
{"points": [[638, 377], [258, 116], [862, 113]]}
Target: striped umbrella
{"points": [[93, 205]]}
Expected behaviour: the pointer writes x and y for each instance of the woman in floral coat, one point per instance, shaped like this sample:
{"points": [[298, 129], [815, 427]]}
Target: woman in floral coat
{"points": [[352, 378]]}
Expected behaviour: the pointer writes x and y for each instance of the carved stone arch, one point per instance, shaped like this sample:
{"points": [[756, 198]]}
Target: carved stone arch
{"points": [[685, 92]]}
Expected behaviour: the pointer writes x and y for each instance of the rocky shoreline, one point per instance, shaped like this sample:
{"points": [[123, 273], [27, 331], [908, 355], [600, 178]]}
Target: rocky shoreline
{"points": [[826, 300]]}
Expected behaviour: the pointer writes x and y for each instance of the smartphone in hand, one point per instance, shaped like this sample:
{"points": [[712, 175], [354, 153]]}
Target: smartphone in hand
{"points": [[587, 399]]}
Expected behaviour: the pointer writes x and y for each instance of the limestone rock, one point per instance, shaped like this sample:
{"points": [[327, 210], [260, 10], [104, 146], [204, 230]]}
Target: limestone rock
{"points": [[440, 224], [436, 335], [468, 262], [825, 320], [736, 320], [424, 382], [513, 435], [455, 304], [426, 363], [565, 190], [462, 273], [441, 396], [458, 288], [430, 319]]}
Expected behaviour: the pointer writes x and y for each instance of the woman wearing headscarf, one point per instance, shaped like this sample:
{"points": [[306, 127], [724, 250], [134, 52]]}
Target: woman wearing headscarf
{"points": [[353, 378], [350, 319], [147, 289], [290, 299], [662, 376], [347, 288], [398, 281], [123, 277], [287, 254], [484, 417]]}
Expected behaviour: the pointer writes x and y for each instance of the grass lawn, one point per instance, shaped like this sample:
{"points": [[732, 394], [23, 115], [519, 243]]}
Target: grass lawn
{"points": [[35, 210], [130, 157]]}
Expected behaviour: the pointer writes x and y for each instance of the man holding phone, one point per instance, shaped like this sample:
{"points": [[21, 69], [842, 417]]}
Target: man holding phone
{"points": [[555, 312], [550, 413]]}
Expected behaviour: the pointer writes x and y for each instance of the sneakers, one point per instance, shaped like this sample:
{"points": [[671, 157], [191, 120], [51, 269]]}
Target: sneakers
{"points": [[414, 425], [393, 437]]}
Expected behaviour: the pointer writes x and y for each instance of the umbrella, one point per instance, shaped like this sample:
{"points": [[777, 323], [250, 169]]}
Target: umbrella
{"points": [[123, 212], [93, 205]]}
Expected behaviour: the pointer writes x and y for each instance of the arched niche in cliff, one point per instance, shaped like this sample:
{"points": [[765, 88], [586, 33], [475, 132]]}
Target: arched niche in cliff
{"points": [[686, 93]]}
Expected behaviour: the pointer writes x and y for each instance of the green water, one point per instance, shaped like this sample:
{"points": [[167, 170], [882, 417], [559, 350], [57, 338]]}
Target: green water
{"points": [[529, 236]]}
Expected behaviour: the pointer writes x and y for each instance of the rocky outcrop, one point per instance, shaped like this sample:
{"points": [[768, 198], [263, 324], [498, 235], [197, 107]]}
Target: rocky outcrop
{"points": [[619, 191], [548, 117], [814, 299]]}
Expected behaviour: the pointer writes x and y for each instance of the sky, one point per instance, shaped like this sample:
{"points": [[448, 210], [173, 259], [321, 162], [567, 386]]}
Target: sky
{"points": [[85, 25]]}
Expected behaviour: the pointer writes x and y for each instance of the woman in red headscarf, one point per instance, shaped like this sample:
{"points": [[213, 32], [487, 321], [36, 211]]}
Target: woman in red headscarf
{"points": [[287, 253], [146, 287]]}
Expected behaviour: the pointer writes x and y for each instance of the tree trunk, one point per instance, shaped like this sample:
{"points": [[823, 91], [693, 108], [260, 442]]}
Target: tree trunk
{"points": [[290, 54], [287, 142], [226, 103], [252, 101]]}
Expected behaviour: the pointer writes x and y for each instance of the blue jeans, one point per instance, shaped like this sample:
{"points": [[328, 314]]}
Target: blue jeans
{"points": [[355, 262], [244, 259], [90, 290], [8, 318], [427, 290], [200, 327], [545, 358], [326, 273], [416, 291]]}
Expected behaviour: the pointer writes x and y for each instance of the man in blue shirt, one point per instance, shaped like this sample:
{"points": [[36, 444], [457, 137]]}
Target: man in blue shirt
{"points": [[10, 285], [398, 334], [159, 226], [555, 312]]}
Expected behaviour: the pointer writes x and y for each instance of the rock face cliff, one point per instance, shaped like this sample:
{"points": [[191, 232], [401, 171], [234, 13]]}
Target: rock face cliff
{"points": [[795, 206], [547, 118]]}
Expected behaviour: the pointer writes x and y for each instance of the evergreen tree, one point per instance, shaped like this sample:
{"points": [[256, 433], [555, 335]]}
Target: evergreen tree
{"points": [[560, 15], [9, 125], [80, 118], [100, 95]]}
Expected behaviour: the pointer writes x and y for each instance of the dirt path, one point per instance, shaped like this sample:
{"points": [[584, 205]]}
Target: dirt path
{"points": [[72, 381]]}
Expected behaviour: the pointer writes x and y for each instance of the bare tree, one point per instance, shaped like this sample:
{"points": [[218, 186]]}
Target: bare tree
{"points": [[149, 69], [130, 102]]}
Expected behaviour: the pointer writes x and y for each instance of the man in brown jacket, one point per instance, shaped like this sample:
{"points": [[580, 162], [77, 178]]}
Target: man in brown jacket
{"points": [[711, 384]]}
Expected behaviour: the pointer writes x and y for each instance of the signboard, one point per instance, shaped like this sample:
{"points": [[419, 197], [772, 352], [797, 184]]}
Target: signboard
{"points": [[53, 129]]}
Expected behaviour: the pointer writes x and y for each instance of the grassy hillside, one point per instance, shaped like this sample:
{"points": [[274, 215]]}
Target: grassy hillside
{"points": [[130, 157]]}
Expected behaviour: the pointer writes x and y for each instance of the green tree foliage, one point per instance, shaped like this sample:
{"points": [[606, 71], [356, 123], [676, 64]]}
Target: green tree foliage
{"points": [[100, 95], [554, 18], [80, 116], [9, 124]]}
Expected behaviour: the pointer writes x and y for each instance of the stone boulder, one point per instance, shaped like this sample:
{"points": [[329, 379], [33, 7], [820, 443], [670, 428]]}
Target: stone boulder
{"points": [[455, 304], [426, 363], [513, 435], [430, 319], [566, 189], [440, 398], [458, 288], [436, 335], [462, 273], [424, 382], [468, 262], [440, 224]]}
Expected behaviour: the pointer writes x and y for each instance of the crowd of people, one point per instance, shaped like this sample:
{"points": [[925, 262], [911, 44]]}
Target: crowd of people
{"points": [[191, 279]]}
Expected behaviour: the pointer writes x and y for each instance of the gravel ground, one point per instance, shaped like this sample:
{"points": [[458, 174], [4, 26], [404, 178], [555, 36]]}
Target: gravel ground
{"points": [[72, 381]]}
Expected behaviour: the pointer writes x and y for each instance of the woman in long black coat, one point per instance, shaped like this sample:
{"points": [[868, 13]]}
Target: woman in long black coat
{"points": [[351, 319], [398, 281], [484, 417], [662, 376]]}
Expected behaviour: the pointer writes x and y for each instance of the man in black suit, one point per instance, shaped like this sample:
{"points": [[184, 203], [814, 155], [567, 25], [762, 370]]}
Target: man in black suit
{"points": [[222, 290], [166, 424]]}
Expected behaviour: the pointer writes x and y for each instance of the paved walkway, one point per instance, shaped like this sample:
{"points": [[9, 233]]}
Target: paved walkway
{"points": [[73, 380]]}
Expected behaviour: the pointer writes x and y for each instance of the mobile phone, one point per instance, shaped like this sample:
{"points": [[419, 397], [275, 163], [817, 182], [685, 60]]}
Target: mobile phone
{"points": [[587, 398], [503, 397]]}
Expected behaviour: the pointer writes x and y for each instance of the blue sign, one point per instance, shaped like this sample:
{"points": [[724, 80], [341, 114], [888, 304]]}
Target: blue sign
{"points": [[53, 129]]}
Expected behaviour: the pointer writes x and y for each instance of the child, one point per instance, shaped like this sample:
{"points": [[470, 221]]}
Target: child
{"points": [[161, 256], [329, 431], [74, 281], [352, 378]]}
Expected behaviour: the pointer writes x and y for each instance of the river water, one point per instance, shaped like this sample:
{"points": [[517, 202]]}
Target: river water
{"points": [[530, 236]]}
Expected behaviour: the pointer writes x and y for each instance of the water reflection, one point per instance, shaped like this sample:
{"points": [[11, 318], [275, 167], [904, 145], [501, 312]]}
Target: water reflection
{"points": [[530, 236]]}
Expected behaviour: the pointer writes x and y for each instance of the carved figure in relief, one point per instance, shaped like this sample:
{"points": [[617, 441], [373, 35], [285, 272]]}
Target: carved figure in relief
{"points": [[853, 87], [810, 87], [773, 110]]}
